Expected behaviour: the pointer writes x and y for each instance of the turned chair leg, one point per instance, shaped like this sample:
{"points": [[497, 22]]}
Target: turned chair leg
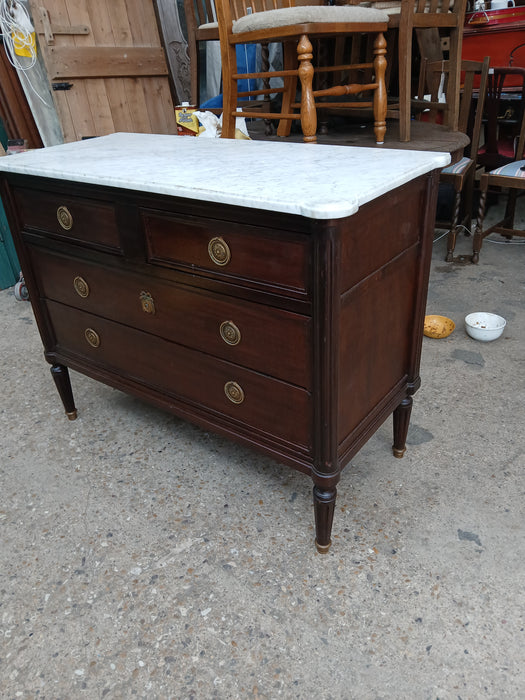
{"points": [[452, 234], [478, 233], [380, 99], [306, 74]]}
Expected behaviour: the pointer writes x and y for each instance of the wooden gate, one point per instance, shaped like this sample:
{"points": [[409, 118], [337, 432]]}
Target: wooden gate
{"points": [[106, 65]]}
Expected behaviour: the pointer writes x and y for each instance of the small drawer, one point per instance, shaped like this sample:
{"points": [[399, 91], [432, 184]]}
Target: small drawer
{"points": [[88, 221], [211, 386], [262, 338], [242, 254]]}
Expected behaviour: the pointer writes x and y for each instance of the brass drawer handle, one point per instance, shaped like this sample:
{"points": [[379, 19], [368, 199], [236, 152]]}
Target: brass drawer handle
{"points": [[147, 303], [234, 392], [92, 337], [81, 287], [219, 251], [64, 218], [230, 333]]}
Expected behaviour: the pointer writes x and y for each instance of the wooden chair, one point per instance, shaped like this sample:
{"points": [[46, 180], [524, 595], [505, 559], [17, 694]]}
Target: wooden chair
{"points": [[498, 151], [201, 26], [510, 177], [460, 175], [431, 19], [295, 26]]}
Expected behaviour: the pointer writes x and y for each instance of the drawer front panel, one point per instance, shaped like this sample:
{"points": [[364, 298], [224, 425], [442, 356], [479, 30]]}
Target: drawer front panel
{"points": [[231, 252], [267, 405], [261, 338], [84, 220]]}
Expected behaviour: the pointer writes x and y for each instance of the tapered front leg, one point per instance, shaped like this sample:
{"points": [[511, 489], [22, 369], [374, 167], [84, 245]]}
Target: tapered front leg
{"points": [[60, 375], [401, 423], [324, 506]]}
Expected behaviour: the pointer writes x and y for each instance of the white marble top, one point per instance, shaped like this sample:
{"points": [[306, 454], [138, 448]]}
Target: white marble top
{"points": [[316, 181]]}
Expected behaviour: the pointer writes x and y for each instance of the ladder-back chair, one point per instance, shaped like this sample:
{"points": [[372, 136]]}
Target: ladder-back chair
{"points": [[434, 82], [259, 21], [510, 177], [504, 81]]}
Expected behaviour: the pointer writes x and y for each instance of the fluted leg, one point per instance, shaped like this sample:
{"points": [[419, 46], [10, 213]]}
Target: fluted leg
{"points": [[306, 74], [324, 506], [380, 100], [60, 376], [401, 422]]}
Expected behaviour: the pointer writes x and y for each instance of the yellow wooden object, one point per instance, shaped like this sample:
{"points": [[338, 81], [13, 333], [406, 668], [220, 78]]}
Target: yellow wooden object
{"points": [[438, 326]]}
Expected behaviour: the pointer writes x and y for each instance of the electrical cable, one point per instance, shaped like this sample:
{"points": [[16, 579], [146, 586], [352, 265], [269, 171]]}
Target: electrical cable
{"points": [[18, 35]]}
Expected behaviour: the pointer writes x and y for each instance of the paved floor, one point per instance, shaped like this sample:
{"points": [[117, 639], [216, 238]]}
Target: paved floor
{"points": [[142, 557]]}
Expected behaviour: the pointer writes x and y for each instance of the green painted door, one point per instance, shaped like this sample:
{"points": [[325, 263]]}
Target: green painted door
{"points": [[9, 267]]}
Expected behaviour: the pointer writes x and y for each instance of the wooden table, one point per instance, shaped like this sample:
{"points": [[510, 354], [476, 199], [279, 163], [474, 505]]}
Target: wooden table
{"points": [[423, 137], [274, 293]]}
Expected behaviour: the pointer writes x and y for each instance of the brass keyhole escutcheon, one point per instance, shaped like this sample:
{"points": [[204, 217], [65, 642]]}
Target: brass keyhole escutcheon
{"points": [[219, 251], [230, 333], [147, 303], [64, 218], [234, 392], [92, 337], [81, 287]]}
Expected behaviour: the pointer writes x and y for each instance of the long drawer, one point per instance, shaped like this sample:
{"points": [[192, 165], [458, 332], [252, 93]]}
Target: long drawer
{"points": [[269, 340], [267, 405], [250, 255]]}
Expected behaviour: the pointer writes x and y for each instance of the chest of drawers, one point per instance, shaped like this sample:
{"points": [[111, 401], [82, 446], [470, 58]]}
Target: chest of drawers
{"points": [[294, 334]]}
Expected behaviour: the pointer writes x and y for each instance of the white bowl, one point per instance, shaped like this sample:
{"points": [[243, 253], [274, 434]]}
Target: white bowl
{"points": [[484, 326]]}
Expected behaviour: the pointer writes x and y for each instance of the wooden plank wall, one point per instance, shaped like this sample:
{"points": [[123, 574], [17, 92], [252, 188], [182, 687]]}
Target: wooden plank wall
{"points": [[110, 52]]}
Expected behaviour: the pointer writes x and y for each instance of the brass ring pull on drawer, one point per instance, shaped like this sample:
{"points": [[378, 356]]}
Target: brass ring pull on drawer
{"points": [[219, 251], [81, 287], [64, 218], [230, 333], [234, 392], [92, 337], [147, 303]]}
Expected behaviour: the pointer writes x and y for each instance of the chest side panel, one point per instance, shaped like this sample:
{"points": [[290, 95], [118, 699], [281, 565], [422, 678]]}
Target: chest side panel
{"points": [[381, 260]]}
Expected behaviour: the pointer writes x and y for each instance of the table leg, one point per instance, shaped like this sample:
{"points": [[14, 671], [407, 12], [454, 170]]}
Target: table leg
{"points": [[324, 506], [401, 423], [60, 376]]}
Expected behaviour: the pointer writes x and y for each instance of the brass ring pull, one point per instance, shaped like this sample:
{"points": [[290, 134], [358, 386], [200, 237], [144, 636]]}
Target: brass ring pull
{"points": [[81, 287], [230, 333], [234, 392], [92, 337], [219, 251], [147, 303], [64, 218]]}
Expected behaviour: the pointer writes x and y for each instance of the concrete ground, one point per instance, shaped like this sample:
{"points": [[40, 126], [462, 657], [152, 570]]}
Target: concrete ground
{"points": [[143, 557]]}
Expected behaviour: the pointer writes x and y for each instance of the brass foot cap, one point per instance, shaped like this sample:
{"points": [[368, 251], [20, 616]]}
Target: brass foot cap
{"points": [[399, 453], [72, 415], [323, 548]]}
